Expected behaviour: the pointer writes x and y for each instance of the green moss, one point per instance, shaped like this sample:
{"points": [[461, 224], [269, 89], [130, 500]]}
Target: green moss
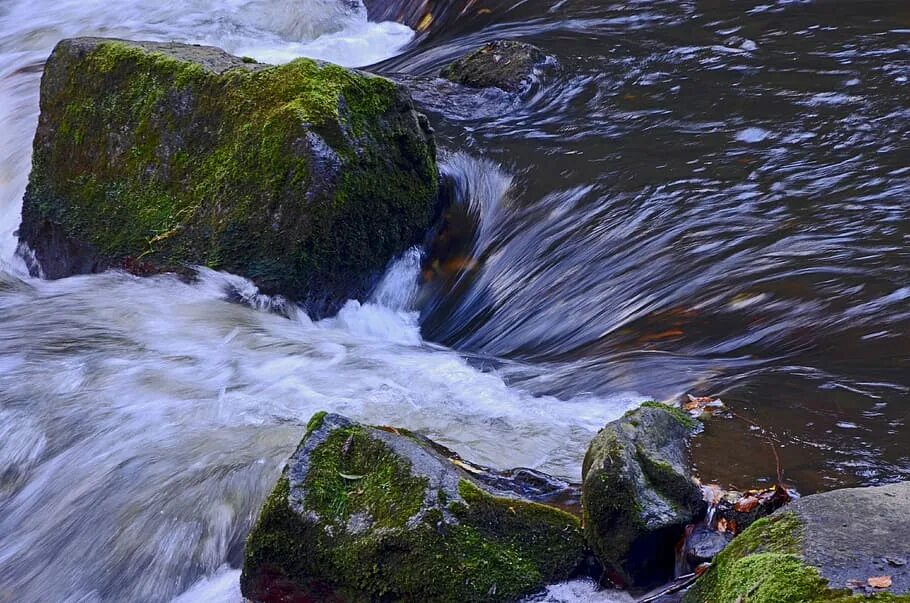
{"points": [[315, 423], [684, 419], [611, 514], [549, 536], [353, 473], [763, 565], [482, 548], [672, 485], [161, 159]]}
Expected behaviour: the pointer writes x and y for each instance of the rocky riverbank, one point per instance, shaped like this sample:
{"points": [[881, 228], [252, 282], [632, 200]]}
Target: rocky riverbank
{"points": [[308, 179], [379, 513]]}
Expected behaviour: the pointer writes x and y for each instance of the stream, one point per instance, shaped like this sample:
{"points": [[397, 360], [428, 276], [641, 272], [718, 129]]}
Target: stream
{"points": [[704, 197]]}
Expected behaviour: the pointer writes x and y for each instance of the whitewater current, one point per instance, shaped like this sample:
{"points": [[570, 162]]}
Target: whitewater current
{"points": [[143, 421]]}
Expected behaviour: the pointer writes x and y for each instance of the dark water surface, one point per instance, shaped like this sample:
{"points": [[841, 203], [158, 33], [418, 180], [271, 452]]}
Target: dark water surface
{"points": [[708, 197]]}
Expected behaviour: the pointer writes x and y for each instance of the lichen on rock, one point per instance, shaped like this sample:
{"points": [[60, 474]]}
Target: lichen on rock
{"points": [[306, 178], [822, 548], [637, 493], [364, 513]]}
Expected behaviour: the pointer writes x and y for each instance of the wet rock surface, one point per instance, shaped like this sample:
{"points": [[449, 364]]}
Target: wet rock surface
{"points": [[366, 513], [505, 64], [306, 178], [638, 495], [856, 533], [704, 544], [820, 548]]}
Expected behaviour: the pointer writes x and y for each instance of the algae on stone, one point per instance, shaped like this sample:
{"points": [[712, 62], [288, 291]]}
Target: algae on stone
{"points": [[813, 549], [637, 493], [362, 513], [306, 178]]}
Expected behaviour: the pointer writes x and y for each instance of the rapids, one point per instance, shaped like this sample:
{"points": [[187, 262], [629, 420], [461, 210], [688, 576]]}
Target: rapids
{"points": [[704, 197]]}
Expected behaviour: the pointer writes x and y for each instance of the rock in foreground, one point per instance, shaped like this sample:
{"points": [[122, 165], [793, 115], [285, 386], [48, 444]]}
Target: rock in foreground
{"points": [[638, 495], [363, 513], [306, 178], [504, 64], [837, 546]]}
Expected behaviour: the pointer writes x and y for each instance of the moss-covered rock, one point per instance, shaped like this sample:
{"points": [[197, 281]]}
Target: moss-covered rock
{"points": [[505, 64], [637, 493], [821, 548], [364, 513], [306, 178]]}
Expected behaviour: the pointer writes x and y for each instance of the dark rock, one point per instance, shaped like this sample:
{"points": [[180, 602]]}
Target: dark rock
{"points": [[703, 544], [505, 64], [637, 493], [366, 513], [816, 549], [306, 178]]}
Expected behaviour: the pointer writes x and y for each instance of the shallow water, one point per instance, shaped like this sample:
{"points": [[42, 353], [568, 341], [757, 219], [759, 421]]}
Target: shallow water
{"points": [[703, 197]]}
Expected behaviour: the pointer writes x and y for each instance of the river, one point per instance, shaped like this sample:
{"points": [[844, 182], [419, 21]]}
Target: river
{"points": [[701, 196]]}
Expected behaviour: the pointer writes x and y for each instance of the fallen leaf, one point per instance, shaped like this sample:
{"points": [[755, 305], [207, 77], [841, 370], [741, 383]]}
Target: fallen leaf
{"points": [[465, 466], [425, 22], [879, 581], [697, 404], [745, 504], [721, 525], [701, 568]]}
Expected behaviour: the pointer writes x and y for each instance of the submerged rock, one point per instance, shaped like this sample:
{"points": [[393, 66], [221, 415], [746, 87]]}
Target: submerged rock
{"points": [[638, 495], [306, 178], [505, 64], [703, 544], [822, 547], [366, 513]]}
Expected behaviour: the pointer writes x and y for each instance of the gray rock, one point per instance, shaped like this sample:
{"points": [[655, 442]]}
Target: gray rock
{"points": [[505, 64], [856, 533], [704, 544], [817, 548], [638, 494], [367, 513]]}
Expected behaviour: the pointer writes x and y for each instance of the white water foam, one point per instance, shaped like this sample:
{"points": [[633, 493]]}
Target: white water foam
{"points": [[143, 421], [150, 417]]}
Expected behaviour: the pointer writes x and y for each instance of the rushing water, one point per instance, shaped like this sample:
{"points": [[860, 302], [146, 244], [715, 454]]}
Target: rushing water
{"points": [[704, 196]]}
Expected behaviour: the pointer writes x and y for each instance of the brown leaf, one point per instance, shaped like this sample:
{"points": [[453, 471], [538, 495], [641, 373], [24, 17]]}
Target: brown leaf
{"points": [[879, 581], [701, 568], [425, 22], [696, 405], [745, 504], [721, 525]]}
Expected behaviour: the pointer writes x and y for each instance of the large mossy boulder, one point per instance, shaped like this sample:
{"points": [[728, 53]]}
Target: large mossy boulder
{"points": [[638, 495], [306, 178], [845, 545], [364, 513]]}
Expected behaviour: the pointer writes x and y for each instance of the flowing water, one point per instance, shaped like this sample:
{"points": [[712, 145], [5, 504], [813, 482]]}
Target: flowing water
{"points": [[702, 196]]}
